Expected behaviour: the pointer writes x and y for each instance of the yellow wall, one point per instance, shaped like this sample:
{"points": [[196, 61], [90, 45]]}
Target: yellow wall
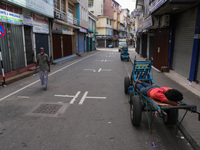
{"points": [[102, 22], [115, 15], [101, 31]]}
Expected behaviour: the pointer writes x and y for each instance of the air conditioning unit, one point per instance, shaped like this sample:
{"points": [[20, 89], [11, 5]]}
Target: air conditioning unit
{"points": [[164, 21]]}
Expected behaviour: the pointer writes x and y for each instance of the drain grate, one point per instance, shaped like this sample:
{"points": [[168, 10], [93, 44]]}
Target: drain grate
{"points": [[48, 108]]}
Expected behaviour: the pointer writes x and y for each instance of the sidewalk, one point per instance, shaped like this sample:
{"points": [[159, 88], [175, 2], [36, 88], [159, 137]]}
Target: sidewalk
{"points": [[190, 126]]}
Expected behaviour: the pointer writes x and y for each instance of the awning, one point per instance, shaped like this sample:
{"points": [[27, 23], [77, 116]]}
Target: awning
{"points": [[67, 24]]}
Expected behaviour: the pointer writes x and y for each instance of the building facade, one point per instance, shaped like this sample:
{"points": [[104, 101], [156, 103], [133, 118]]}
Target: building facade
{"points": [[91, 32], [82, 16], [169, 31], [105, 31], [27, 28], [64, 27]]}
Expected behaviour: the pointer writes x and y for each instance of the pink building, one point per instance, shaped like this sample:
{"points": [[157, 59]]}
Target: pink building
{"points": [[112, 10]]}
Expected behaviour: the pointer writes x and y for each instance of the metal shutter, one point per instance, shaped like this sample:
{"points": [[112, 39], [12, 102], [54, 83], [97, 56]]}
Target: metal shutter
{"points": [[81, 43], [198, 69], [184, 38]]}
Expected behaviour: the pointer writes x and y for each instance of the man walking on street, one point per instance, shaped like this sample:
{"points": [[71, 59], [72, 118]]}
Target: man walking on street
{"points": [[44, 67]]}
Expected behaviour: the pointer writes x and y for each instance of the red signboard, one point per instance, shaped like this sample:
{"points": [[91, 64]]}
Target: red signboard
{"points": [[2, 30]]}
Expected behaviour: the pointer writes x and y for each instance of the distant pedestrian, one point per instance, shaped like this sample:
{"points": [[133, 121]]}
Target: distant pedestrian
{"points": [[44, 67]]}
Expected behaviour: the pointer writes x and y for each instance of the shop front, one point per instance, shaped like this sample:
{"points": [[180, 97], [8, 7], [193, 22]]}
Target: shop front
{"points": [[81, 40], [62, 40], [12, 44]]}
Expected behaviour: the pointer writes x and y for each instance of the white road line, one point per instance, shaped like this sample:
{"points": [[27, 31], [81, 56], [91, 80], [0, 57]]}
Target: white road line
{"points": [[23, 97], [49, 76], [90, 70], [99, 70], [64, 95], [96, 97], [83, 98], [74, 99]]}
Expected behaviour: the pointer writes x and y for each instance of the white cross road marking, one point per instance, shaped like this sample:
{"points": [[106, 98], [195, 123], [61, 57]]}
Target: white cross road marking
{"points": [[90, 97], [104, 60], [100, 70], [75, 97], [108, 56], [90, 70], [23, 97], [63, 95], [83, 98]]}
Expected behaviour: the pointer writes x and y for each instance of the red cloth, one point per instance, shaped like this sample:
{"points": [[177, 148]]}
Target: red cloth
{"points": [[158, 93]]}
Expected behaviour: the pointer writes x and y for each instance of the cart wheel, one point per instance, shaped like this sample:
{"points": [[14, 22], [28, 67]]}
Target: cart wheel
{"points": [[135, 110], [172, 117], [130, 97], [121, 57], [126, 84]]}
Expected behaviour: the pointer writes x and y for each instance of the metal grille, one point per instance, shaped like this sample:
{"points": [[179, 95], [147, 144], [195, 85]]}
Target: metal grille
{"points": [[48, 108], [184, 38]]}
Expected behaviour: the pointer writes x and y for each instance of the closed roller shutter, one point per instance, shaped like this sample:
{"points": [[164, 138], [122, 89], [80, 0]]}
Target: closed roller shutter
{"points": [[57, 53], [101, 43], [67, 45], [198, 69], [5, 51], [184, 38], [81, 43]]}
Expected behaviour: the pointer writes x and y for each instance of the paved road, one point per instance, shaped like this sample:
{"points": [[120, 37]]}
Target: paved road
{"points": [[84, 108]]}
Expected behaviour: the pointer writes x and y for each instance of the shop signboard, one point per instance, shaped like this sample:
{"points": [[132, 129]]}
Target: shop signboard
{"points": [[155, 4], [67, 30], [147, 23], [44, 7], [10, 14], [57, 28], [40, 24], [83, 30], [137, 12]]}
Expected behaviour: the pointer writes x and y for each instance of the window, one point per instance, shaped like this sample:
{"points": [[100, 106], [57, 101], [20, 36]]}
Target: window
{"points": [[56, 4], [90, 3], [107, 21], [110, 21], [70, 8], [63, 5]]}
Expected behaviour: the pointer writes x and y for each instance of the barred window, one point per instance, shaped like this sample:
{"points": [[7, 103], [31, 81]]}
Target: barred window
{"points": [[56, 4], [63, 5], [70, 8]]}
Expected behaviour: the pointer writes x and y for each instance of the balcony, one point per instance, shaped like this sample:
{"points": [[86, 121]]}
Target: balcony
{"points": [[67, 17], [75, 1]]}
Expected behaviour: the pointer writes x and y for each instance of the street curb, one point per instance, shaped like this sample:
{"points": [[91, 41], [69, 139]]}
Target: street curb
{"points": [[191, 140], [17, 77]]}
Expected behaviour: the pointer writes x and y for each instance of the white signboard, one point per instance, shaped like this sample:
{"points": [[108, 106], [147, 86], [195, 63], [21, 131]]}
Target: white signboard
{"points": [[155, 5], [40, 24], [44, 7], [67, 30], [28, 21], [10, 17]]}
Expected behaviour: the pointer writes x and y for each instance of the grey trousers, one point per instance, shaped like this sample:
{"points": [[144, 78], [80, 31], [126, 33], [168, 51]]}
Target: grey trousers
{"points": [[44, 78]]}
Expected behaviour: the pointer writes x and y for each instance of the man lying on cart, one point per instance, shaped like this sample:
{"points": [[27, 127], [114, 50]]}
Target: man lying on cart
{"points": [[163, 94]]}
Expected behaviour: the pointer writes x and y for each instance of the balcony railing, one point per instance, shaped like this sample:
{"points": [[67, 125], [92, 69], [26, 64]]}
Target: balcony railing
{"points": [[67, 17]]}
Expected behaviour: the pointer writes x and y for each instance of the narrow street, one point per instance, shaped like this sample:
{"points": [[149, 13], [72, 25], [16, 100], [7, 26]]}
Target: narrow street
{"points": [[84, 108]]}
